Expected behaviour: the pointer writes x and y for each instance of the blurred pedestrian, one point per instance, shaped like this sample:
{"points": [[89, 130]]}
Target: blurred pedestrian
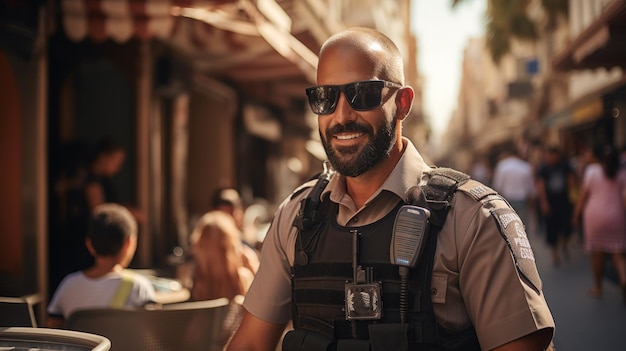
{"points": [[602, 209], [112, 240], [513, 178], [554, 179], [107, 160], [579, 162], [228, 200], [480, 170], [93, 185], [220, 267]]}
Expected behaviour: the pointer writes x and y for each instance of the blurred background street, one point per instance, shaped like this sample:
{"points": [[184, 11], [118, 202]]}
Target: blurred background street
{"points": [[582, 323]]}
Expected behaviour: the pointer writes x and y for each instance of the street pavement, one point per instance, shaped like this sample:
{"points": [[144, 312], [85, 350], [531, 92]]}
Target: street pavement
{"points": [[582, 322]]}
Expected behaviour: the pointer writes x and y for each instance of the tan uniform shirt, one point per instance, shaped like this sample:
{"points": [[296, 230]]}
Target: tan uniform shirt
{"points": [[474, 282]]}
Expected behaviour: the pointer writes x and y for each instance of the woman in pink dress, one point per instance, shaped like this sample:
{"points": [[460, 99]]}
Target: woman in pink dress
{"points": [[602, 205]]}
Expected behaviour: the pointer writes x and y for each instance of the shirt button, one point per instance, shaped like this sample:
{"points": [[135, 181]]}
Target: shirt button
{"points": [[355, 219]]}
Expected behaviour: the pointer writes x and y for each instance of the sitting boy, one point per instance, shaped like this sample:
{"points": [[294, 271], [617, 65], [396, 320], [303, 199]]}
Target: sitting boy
{"points": [[111, 240]]}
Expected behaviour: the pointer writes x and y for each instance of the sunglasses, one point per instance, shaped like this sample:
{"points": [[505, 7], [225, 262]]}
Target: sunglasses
{"points": [[362, 96]]}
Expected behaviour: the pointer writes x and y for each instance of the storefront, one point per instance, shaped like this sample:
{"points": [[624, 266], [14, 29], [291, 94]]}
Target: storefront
{"points": [[598, 46]]}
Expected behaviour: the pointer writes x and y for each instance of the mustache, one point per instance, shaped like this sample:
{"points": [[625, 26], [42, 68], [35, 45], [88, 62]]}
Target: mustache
{"points": [[348, 128]]}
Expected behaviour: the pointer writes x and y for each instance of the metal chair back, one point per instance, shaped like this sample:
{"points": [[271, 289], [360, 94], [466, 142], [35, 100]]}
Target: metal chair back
{"points": [[189, 326]]}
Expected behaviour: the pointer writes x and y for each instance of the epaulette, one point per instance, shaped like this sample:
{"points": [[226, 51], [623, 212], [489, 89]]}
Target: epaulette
{"points": [[478, 191], [437, 192]]}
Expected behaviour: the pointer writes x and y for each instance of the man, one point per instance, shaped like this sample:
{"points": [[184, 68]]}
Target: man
{"points": [[513, 178], [475, 284], [555, 178]]}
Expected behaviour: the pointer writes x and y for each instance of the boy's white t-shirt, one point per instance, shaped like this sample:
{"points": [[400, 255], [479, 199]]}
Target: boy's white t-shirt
{"points": [[78, 291]]}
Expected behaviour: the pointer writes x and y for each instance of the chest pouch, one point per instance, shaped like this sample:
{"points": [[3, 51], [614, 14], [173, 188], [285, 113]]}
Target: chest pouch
{"points": [[363, 295]]}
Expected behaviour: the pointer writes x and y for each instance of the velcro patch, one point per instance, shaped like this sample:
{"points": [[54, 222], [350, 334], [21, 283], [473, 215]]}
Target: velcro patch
{"points": [[477, 190], [512, 230]]}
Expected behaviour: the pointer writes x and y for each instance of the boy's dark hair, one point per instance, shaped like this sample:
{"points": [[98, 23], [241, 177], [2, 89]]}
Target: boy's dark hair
{"points": [[110, 226]]}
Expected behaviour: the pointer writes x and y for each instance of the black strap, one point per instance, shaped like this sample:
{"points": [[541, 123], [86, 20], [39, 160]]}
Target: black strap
{"points": [[437, 193], [434, 195], [308, 214]]}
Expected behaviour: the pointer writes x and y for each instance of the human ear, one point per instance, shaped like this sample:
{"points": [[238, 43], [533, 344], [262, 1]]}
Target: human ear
{"points": [[404, 102], [90, 248]]}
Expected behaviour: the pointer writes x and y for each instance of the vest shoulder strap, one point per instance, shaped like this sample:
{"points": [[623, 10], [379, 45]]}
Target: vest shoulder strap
{"points": [[309, 213], [437, 192]]}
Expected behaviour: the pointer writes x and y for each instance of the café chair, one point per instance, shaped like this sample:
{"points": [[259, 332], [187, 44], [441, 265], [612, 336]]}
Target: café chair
{"points": [[28, 338], [17, 312], [191, 326]]}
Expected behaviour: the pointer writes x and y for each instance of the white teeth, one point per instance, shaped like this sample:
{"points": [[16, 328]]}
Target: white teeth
{"points": [[348, 136]]}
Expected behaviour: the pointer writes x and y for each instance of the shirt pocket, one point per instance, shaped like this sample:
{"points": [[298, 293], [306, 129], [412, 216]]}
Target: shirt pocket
{"points": [[438, 287]]}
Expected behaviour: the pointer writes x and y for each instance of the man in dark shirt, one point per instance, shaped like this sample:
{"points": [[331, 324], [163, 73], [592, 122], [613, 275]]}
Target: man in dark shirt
{"points": [[555, 178]]}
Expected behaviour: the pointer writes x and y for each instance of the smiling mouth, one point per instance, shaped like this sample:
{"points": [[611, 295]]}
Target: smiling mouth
{"points": [[348, 136]]}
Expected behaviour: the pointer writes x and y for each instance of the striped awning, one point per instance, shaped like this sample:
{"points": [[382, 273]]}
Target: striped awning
{"points": [[121, 20], [248, 42]]}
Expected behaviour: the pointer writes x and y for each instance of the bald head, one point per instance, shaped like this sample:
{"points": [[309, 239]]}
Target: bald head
{"points": [[370, 45]]}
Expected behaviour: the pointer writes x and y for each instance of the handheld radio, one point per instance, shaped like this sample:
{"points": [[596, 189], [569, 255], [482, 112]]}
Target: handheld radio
{"points": [[409, 232], [407, 243]]}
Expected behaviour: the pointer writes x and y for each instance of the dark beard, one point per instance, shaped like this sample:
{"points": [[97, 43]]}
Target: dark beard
{"points": [[348, 161]]}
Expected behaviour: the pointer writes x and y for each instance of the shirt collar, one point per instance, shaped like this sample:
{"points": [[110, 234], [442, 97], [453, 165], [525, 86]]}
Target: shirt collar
{"points": [[403, 177]]}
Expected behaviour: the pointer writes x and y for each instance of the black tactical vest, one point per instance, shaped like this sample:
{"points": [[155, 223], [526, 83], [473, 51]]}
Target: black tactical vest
{"points": [[324, 263]]}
